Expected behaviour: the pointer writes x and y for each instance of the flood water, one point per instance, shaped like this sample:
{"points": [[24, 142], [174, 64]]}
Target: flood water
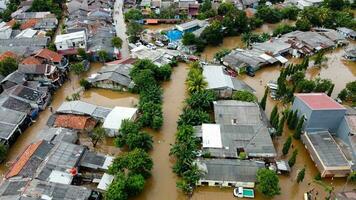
{"points": [[162, 184]]}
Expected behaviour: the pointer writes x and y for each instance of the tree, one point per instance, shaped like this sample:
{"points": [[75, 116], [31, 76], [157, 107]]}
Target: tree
{"points": [[286, 145], [103, 56], [97, 135], [320, 58], [196, 83], [213, 33], [300, 176], [269, 14], [116, 42], [133, 30], [264, 100], [306, 86], [330, 90], [335, 4], [164, 72], [289, 117], [77, 68], [221, 53], [3, 152], [85, 84], [268, 182], [7, 66], [273, 113], [201, 100], [193, 117], [294, 122], [283, 29], [298, 130], [275, 121], [188, 39], [133, 14], [281, 126], [135, 184], [225, 8], [293, 158], [83, 54], [52, 46], [349, 92], [205, 6], [116, 189], [303, 24], [139, 140], [136, 161], [322, 85], [297, 77], [290, 12], [244, 95]]}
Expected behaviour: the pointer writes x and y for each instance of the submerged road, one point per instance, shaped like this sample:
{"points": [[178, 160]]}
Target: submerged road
{"points": [[120, 27]]}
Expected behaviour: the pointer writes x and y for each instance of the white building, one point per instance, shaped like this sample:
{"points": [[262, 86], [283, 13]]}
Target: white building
{"points": [[114, 119], [5, 30], [71, 41]]}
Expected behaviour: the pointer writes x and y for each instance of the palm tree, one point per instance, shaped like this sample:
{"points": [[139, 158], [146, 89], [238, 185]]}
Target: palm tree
{"points": [[196, 83]]}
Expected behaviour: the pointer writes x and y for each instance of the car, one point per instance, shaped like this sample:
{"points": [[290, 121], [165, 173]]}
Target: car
{"points": [[159, 43], [238, 192], [151, 46], [250, 71], [172, 45], [193, 58]]}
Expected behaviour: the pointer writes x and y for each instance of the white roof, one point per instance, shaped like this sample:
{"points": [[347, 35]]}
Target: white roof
{"points": [[64, 37], [115, 117], [216, 78], [27, 33], [105, 181], [108, 161], [211, 136], [265, 57], [281, 59], [60, 177]]}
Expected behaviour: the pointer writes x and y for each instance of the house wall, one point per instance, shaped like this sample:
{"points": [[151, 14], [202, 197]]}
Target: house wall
{"points": [[303, 109], [313, 154], [109, 85], [73, 43], [225, 183], [343, 132]]}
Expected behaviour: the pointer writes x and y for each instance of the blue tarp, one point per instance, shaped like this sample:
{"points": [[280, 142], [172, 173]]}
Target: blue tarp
{"points": [[174, 35]]}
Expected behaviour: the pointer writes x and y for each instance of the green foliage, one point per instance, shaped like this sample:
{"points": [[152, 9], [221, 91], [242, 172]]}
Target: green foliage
{"points": [[213, 33], [300, 176], [297, 77], [293, 158], [47, 5], [135, 184], [225, 8], [319, 58], [7, 66], [249, 38], [133, 14], [303, 24], [133, 30], [317, 176], [235, 22], [16, 26], [335, 4], [205, 6], [124, 187], [280, 126], [116, 189], [290, 12], [97, 135], [289, 117], [330, 90], [349, 92], [264, 100], [201, 100], [189, 39], [242, 155], [282, 29], [243, 95], [116, 42], [275, 121], [273, 113], [77, 68], [193, 117], [221, 53], [306, 86], [103, 56], [352, 176], [294, 121], [269, 14], [255, 22], [268, 183], [136, 161], [286, 145], [3, 152], [52, 47], [164, 72], [196, 82], [298, 130], [85, 84]]}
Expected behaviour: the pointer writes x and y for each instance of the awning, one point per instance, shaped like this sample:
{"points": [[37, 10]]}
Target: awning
{"points": [[281, 59], [151, 21]]}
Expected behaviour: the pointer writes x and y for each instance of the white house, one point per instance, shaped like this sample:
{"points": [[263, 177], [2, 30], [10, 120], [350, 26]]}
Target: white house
{"points": [[114, 119], [5, 30], [71, 41]]}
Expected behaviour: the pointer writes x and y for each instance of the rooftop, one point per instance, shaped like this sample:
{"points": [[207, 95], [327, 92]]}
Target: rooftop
{"points": [[115, 117], [326, 148], [83, 108], [49, 55], [228, 170], [74, 122], [319, 101], [64, 37]]}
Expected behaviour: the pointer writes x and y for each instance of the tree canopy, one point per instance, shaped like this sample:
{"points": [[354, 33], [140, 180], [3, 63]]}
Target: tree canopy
{"points": [[268, 182]]}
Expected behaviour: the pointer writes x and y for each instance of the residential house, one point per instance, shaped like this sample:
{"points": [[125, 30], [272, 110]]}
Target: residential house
{"points": [[333, 35], [76, 122], [190, 26], [3, 5], [101, 41], [229, 140], [45, 73], [84, 108], [47, 56], [14, 189], [18, 105], [228, 172], [221, 82], [113, 121], [320, 112], [349, 33], [36, 98], [159, 57], [77, 5], [301, 4], [69, 43], [32, 15], [23, 46], [12, 124], [115, 77], [5, 30], [15, 78], [326, 154]]}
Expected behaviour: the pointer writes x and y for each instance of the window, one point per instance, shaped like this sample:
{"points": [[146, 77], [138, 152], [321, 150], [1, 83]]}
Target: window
{"points": [[234, 121]]}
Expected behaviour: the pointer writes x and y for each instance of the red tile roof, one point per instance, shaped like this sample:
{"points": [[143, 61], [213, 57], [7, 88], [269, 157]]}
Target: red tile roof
{"points": [[49, 55], [31, 61], [7, 54], [319, 101], [151, 21], [22, 160], [74, 122], [11, 23], [28, 24]]}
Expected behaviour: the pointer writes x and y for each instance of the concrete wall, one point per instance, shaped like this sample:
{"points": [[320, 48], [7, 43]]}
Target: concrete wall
{"points": [[303, 109], [343, 133]]}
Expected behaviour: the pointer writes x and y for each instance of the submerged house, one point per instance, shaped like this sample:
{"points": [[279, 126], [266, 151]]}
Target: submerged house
{"points": [[228, 172], [41, 72], [115, 77], [12, 124], [113, 121], [68, 44], [47, 56], [84, 108], [221, 82], [76, 122]]}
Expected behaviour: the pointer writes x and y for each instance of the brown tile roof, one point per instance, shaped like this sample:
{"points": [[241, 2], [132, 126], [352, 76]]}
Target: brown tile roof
{"points": [[28, 24], [31, 61], [11, 22], [22, 160], [75, 122], [49, 55], [7, 54]]}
